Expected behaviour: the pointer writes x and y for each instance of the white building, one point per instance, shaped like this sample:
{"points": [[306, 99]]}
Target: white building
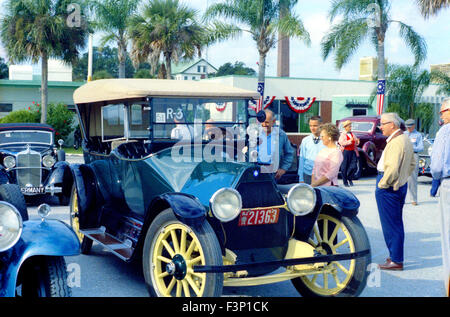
{"points": [[194, 70]]}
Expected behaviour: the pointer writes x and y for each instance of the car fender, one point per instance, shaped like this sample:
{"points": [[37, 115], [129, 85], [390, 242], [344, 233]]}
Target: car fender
{"points": [[62, 175], [39, 238], [187, 208], [369, 145], [85, 184], [342, 200]]}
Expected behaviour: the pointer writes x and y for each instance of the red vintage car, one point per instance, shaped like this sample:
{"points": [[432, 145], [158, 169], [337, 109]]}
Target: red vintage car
{"points": [[372, 141]]}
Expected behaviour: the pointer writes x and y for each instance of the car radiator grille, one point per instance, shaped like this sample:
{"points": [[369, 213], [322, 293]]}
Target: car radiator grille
{"points": [[31, 174], [259, 194]]}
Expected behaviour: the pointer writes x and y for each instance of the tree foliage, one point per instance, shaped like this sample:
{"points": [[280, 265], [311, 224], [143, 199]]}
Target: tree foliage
{"points": [[238, 68], [4, 71]]}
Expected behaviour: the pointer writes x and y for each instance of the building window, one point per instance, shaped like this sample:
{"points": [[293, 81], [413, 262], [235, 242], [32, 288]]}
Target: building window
{"points": [[185, 77], [199, 69], [6, 107], [359, 111], [297, 122], [194, 78]]}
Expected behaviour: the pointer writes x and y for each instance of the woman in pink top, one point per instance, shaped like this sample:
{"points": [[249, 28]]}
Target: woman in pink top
{"points": [[329, 159]]}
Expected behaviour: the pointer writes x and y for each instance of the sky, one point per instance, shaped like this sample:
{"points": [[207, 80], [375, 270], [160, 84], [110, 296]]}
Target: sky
{"points": [[306, 62]]}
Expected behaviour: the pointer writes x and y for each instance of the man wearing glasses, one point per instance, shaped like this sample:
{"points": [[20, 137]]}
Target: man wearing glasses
{"points": [[440, 170], [394, 168]]}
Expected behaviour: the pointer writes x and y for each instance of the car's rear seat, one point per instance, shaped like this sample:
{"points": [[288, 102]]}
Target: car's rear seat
{"points": [[133, 150]]}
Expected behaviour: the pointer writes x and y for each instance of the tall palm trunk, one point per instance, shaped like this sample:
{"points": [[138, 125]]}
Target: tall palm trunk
{"points": [[122, 56], [262, 67], [283, 46], [44, 87], [168, 62], [381, 60]]}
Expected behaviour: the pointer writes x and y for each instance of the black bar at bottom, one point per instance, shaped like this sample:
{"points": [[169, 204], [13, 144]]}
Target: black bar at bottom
{"points": [[288, 262]]}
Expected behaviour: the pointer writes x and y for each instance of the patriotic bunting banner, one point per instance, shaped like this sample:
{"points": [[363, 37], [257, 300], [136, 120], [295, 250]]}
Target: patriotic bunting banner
{"points": [[220, 106], [300, 104], [380, 96], [255, 104]]}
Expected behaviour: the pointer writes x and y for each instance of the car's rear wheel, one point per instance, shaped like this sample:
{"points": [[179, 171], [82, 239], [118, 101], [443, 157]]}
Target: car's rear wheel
{"points": [[171, 249], [86, 243], [333, 234], [45, 277]]}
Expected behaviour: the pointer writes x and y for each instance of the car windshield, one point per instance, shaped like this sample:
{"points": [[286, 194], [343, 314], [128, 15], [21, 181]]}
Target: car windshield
{"points": [[8, 137], [359, 126], [197, 118]]}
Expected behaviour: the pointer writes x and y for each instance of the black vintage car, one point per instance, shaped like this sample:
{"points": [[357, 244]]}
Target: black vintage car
{"points": [[30, 159], [171, 178]]}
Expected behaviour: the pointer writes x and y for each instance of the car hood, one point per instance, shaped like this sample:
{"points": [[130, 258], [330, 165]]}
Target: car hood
{"points": [[16, 148], [201, 179]]}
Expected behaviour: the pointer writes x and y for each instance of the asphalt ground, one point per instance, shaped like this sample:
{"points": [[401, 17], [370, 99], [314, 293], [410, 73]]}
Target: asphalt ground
{"points": [[102, 274]]}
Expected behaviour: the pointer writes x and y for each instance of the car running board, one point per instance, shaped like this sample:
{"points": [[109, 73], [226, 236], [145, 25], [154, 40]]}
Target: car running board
{"points": [[123, 250]]}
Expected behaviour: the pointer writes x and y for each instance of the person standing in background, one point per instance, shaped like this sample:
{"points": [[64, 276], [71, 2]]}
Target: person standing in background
{"points": [[417, 142], [309, 148], [329, 159], [349, 142], [440, 170], [394, 167]]}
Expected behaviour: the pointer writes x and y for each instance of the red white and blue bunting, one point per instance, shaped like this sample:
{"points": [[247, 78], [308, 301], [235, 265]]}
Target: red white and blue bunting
{"points": [[254, 104], [300, 104], [220, 106]]}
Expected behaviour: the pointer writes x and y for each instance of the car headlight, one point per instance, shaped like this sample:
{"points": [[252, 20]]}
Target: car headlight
{"points": [[301, 199], [9, 161], [48, 161], [226, 204], [10, 226], [421, 163]]}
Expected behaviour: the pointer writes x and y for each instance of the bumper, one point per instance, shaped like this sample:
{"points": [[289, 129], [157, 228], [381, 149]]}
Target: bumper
{"points": [[280, 263]]}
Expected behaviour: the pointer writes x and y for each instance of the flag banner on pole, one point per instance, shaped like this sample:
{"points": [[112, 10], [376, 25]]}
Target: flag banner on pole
{"points": [[381, 87], [260, 105]]}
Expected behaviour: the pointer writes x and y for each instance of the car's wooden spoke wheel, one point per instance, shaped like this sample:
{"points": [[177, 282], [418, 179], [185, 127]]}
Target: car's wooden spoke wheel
{"points": [[336, 235], [176, 251], [74, 219], [172, 249], [331, 236]]}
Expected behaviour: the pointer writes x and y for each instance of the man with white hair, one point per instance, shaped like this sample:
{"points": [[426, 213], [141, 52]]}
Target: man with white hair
{"points": [[440, 170], [394, 168]]}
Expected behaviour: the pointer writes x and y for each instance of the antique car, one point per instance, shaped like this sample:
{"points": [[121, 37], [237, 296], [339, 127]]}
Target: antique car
{"points": [[199, 211], [32, 252], [30, 159], [425, 157], [372, 141]]}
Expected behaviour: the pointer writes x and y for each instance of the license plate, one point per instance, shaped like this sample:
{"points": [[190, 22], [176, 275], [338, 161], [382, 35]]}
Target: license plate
{"points": [[33, 190], [256, 217]]}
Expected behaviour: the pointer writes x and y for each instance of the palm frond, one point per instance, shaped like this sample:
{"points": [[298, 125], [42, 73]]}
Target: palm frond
{"points": [[414, 41]]}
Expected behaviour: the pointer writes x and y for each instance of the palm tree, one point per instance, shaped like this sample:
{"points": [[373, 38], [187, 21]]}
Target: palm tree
{"points": [[262, 20], [431, 7], [112, 17], [38, 30], [443, 80], [167, 28], [345, 37], [405, 86]]}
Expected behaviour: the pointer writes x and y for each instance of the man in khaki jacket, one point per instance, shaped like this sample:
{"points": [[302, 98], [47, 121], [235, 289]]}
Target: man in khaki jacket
{"points": [[395, 166]]}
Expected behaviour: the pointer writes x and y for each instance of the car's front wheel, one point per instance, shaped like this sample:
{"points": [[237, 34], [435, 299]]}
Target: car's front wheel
{"points": [[171, 249], [333, 234]]}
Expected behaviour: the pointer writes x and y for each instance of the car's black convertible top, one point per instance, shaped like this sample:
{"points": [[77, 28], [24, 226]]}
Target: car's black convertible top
{"points": [[25, 126]]}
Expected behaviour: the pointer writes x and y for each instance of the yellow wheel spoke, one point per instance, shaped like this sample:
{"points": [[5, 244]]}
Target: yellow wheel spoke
{"points": [[193, 286], [342, 268], [179, 288], [317, 233], [183, 242], [171, 285], [176, 246], [163, 259], [311, 242], [162, 275], [195, 261], [325, 230], [168, 248], [336, 279], [186, 291], [340, 243], [335, 231], [325, 280], [190, 249]]}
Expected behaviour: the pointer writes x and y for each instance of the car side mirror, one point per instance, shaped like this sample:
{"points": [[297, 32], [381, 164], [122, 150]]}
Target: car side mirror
{"points": [[261, 116]]}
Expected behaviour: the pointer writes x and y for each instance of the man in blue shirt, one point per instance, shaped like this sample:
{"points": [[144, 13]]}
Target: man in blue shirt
{"points": [[280, 157], [417, 142], [440, 170], [309, 148]]}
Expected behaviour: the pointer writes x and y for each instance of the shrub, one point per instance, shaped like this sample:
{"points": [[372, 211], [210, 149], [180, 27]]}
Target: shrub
{"points": [[21, 116]]}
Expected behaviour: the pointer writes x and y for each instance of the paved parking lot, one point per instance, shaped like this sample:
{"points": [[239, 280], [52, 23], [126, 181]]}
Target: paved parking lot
{"points": [[103, 274]]}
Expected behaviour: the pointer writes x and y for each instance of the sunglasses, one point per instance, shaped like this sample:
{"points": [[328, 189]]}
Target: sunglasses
{"points": [[442, 112]]}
